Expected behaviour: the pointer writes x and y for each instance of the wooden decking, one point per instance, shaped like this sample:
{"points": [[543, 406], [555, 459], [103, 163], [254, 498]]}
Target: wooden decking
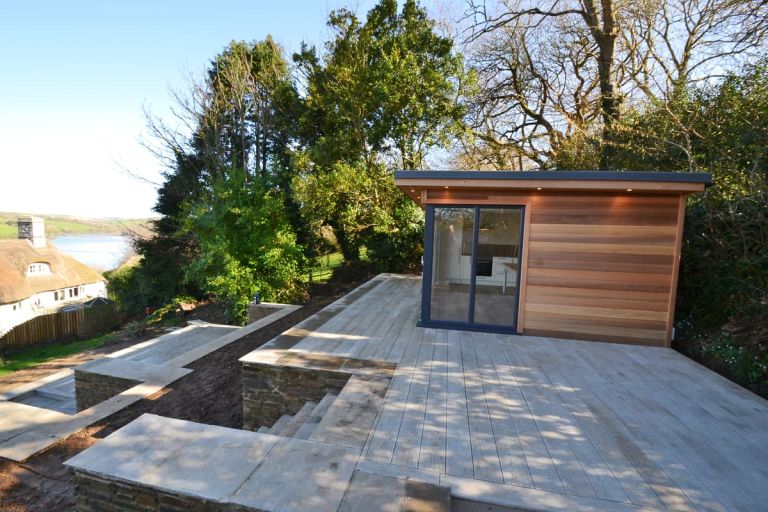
{"points": [[545, 423]]}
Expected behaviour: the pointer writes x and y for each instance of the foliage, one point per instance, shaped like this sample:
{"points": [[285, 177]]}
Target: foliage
{"points": [[398, 249], [246, 245], [323, 268], [385, 92], [558, 75], [743, 365], [229, 223], [723, 285], [364, 207], [128, 290], [170, 313], [389, 86]]}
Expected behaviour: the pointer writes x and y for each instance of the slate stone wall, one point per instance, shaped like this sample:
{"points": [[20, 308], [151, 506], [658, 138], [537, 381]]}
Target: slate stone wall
{"points": [[259, 311], [270, 391], [95, 494], [94, 388]]}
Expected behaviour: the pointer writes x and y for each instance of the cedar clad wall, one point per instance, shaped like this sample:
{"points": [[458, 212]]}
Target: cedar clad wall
{"points": [[602, 267]]}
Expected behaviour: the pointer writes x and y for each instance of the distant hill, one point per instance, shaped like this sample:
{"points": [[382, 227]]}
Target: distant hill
{"points": [[56, 225]]}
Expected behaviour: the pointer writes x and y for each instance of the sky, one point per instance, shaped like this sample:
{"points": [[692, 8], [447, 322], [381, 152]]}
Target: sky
{"points": [[75, 77]]}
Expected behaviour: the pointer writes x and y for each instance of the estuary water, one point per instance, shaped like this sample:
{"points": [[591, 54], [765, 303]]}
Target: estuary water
{"points": [[100, 252]]}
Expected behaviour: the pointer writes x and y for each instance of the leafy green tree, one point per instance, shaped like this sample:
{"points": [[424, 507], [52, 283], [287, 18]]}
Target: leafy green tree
{"points": [[246, 244], [228, 185], [383, 94], [386, 87], [722, 300]]}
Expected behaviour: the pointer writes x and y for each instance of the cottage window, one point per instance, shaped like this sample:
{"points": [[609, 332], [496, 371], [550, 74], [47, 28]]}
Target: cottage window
{"points": [[38, 268]]}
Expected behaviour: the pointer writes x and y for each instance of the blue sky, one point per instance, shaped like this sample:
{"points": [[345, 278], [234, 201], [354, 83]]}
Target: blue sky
{"points": [[75, 75]]}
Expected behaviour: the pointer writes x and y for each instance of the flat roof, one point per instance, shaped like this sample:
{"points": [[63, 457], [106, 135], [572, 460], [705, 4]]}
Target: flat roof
{"points": [[664, 177], [415, 184]]}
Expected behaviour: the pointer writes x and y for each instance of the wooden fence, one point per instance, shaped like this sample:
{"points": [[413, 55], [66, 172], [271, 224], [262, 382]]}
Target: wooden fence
{"points": [[80, 323]]}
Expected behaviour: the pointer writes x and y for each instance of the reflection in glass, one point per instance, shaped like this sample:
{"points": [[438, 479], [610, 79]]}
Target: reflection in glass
{"points": [[496, 261], [451, 264]]}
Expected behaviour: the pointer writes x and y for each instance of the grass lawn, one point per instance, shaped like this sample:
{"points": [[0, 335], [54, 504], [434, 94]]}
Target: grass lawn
{"points": [[33, 356], [324, 267]]}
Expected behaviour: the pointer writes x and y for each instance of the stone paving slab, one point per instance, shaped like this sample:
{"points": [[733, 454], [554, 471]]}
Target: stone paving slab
{"points": [[26, 430], [258, 471], [375, 493], [299, 475]]}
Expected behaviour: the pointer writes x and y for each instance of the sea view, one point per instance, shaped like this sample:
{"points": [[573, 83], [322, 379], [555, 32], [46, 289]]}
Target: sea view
{"points": [[100, 252]]}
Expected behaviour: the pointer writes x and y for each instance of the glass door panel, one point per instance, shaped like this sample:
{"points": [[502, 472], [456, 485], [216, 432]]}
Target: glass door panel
{"points": [[496, 262], [452, 264]]}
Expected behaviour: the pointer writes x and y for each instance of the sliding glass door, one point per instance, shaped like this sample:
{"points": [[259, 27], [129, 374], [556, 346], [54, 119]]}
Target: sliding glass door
{"points": [[471, 275]]}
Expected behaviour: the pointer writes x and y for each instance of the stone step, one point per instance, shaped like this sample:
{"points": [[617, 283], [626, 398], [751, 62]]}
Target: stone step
{"points": [[317, 414], [279, 424], [298, 420], [368, 492], [350, 418], [54, 395]]}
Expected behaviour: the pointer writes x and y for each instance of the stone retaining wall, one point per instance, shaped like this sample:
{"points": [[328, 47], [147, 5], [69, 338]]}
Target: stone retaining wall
{"points": [[261, 310], [95, 494], [271, 391], [278, 382], [93, 388]]}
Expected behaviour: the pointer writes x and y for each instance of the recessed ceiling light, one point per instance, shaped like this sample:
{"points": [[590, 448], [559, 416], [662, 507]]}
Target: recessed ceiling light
{"points": [[538, 188], [629, 190], [413, 190], [446, 186]]}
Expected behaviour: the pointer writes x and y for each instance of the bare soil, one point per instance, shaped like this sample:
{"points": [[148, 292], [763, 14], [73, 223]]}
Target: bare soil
{"points": [[210, 395]]}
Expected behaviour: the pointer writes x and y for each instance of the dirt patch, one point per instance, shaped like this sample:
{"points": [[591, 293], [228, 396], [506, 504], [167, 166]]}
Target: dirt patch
{"points": [[210, 395]]}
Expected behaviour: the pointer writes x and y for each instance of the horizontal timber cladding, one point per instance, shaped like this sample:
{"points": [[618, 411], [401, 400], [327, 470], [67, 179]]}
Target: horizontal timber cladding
{"points": [[602, 267], [598, 266]]}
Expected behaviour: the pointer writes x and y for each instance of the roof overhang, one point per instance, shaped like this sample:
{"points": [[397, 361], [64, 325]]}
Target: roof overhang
{"points": [[414, 182]]}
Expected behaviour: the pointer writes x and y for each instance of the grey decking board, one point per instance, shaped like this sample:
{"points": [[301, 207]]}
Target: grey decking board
{"points": [[384, 439], [514, 467], [381, 313], [599, 475], [458, 457], [432, 445], [733, 491], [609, 408], [569, 468], [705, 408], [409, 435], [647, 441], [606, 442], [620, 450], [485, 457], [540, 464]]}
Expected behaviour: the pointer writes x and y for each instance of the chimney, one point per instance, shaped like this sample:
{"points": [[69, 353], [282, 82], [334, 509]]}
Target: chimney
{"points": [[33, 230]]}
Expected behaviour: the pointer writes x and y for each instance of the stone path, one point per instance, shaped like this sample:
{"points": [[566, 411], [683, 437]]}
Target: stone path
{"points": [[36, 415]]}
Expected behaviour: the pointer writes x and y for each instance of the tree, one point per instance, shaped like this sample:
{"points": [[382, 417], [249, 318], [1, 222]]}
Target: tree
{"points": [[387, 87], [384, 93], [246, 244], [560, 75], [227, 192]]}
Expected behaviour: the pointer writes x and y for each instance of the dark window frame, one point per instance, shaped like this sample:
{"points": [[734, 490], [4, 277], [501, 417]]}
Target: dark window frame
{"points": [[426, 281]]}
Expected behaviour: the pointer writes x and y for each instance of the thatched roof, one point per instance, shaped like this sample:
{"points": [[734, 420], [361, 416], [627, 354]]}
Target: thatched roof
{"points": [[17, 255]]}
